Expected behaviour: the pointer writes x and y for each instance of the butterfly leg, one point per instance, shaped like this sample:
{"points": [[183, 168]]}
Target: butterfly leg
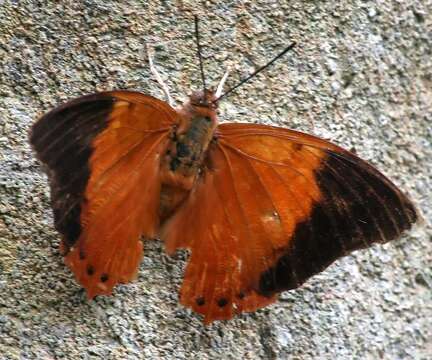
{"points": [[221, 84], [158, 77]]}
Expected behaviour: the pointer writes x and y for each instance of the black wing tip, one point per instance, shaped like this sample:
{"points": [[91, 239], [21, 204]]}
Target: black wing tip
{"points": [[369, 209], [46, 119], [62, 141]]}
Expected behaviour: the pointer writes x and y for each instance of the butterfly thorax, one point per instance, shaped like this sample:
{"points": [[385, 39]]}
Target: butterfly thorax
{"points": [[186, 153]]}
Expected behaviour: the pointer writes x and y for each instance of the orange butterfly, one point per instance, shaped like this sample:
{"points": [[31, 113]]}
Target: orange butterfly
{"points": [[261, 208]]}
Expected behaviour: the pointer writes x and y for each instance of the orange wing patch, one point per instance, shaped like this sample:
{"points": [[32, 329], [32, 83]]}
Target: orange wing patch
{"points": [[105, 192], [245, 208], [272, 208], [268, 208]]}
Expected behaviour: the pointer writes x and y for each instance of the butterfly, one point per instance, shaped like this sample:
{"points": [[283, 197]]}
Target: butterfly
{"points": [[261, 208]]}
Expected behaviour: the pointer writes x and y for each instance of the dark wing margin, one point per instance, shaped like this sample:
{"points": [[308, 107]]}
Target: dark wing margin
{"points": [[359, 207], [63, 140], [272, 208], [102, 155]]}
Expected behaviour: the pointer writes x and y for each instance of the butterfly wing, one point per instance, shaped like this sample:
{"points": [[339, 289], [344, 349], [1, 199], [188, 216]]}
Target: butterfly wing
{"points": [[102, 154], [272, 208]]}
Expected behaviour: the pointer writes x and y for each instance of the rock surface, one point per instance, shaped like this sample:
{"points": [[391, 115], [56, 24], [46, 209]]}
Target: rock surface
{"points": [[361, 76]]}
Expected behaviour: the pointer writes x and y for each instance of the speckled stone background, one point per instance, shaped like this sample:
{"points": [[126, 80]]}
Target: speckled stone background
{"points": [[360, 76]]}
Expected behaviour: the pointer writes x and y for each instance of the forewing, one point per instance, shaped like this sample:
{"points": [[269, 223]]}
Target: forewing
{"points": [[272, 208], [102, 154]]}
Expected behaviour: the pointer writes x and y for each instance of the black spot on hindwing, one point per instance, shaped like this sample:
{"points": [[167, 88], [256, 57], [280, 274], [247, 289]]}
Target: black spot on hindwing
{"points": [[222, 302], [90, 270], [200, 301]]}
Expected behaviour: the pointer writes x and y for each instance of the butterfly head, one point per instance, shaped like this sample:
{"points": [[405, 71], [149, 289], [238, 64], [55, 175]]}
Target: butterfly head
{"points": [[206, 98], [202, 103]]}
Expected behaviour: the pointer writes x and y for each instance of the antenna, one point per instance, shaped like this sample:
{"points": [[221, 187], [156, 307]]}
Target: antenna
{"points": [[257, 71], [199, 52]]}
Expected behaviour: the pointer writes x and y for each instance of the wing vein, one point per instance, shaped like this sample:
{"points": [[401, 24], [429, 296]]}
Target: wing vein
{"points": [[357, 196], [74, 203], [135, 171], [65, 145], [239, 205]]}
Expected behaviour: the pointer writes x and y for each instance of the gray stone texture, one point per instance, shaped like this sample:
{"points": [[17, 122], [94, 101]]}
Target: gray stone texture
{"points": [[360, 76]]}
